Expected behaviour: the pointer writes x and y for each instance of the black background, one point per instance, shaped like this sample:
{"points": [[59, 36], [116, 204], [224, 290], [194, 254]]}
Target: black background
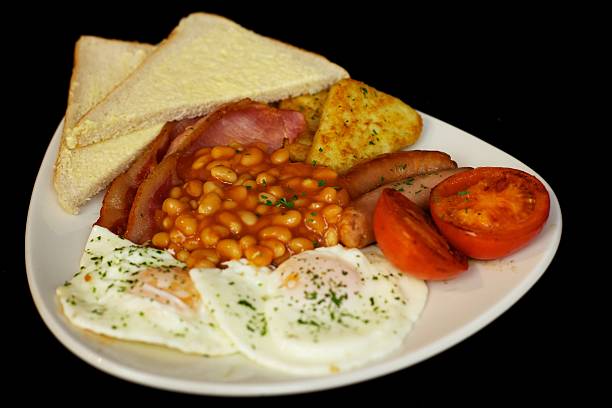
{"points": [[490, 71]]}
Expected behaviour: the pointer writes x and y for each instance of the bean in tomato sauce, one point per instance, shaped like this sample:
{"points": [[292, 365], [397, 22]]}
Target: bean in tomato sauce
{"points": [[239, 201]]}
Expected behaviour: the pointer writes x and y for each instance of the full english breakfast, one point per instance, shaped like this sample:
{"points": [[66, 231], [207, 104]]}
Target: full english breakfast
{"points": [[258, 200]]}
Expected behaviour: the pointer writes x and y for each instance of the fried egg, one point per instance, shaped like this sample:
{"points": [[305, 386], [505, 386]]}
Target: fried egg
{"points": [[320, 312], [137, 293]]}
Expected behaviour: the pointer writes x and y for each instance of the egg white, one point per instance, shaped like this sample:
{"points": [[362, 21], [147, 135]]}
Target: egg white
{"points": [[320, 312], [101, 298]]}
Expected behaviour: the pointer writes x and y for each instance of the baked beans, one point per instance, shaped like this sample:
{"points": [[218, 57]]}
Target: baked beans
{"points": [[242, 202]]}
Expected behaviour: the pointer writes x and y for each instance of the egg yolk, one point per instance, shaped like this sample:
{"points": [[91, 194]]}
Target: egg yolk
{"points": [[171, 286]]}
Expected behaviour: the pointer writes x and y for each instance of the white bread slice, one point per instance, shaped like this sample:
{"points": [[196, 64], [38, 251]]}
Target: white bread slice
{"points": [[207, 61], [99, 66], [82, 173]]}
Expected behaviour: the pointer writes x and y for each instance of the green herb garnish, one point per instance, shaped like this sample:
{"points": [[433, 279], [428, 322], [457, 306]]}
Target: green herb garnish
{"points": [[285, 202], [246, 303]]}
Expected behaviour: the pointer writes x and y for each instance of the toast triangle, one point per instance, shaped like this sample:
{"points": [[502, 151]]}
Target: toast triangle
{"points": [[99, 66], [207, 61]]}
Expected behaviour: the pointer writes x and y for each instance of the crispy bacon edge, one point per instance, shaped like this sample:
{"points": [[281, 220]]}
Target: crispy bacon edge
{"points": [[122, 191]]}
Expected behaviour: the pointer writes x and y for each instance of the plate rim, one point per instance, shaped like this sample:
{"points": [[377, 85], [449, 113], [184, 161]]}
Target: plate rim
{"points": [[305, 384]]}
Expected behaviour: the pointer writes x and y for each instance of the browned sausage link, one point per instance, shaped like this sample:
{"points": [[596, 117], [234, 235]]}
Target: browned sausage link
{"points": [[391, 167], [355, 226]]}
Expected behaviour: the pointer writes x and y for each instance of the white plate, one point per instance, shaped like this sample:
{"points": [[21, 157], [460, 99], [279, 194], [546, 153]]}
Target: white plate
{"points": [[455, 309]]}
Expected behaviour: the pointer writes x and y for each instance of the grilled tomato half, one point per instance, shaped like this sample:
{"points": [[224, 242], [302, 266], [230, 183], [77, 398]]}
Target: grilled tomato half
{"points": [[411, 242], [489, 212]]}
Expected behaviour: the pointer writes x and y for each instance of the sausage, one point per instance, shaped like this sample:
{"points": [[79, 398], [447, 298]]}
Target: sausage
{"points": [[355, 226], [391, 167]]}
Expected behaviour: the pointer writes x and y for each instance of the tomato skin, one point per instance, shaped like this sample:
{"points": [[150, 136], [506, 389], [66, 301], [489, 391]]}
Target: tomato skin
{"points": [[410, 241], [508, 235]]}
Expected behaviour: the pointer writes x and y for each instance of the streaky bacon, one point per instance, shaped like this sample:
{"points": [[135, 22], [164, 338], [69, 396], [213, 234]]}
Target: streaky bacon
{"points": [[244, 122], [120, 195], [143, 218], [255, 124]]}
